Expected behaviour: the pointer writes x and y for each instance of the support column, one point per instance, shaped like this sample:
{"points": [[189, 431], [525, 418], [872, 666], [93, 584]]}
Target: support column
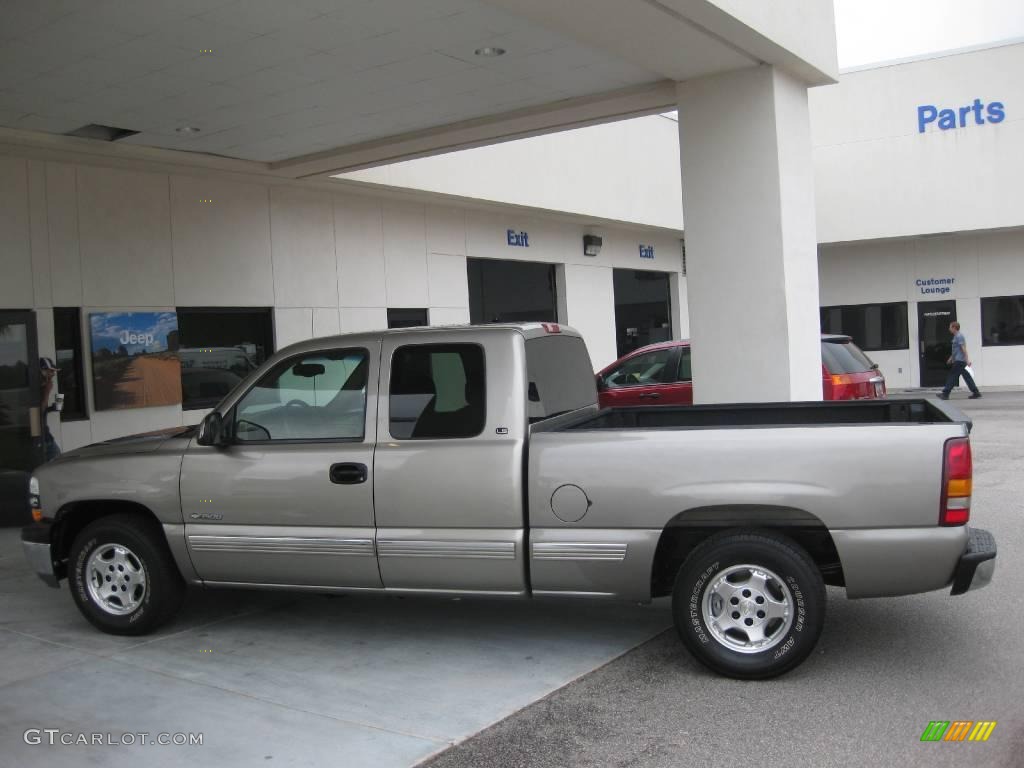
{"points": [[751, 249]]}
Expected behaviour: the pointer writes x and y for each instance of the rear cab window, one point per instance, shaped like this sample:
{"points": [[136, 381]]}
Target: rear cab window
{"points": [[560, 376]]}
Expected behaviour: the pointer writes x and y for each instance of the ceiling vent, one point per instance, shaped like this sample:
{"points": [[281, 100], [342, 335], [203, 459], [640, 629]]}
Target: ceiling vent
{"points": [[101, 132]]}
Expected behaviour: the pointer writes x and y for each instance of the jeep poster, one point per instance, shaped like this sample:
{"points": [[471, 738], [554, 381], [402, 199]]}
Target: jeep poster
{"points": [[135, 359]]}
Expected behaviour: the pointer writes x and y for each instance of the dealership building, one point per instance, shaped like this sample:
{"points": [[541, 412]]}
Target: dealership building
{"points": [[180, 249], [920, 211]]}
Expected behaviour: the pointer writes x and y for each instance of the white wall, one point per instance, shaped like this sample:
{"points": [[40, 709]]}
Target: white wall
{"points": [[626, 171], [805, 27], [117, 237], [981, 264], [877, 176]]}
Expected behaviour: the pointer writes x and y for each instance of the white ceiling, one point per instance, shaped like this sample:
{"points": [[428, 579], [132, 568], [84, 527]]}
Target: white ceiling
{"points": [[285, 77]]}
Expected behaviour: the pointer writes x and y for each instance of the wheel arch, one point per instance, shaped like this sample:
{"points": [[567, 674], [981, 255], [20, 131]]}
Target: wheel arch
{"points": [[74, 516], [687, 529]]}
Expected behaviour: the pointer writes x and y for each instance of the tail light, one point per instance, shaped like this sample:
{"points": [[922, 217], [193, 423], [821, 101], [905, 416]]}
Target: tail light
{"points": [[957, 473], [840, 382], [846, 386]]}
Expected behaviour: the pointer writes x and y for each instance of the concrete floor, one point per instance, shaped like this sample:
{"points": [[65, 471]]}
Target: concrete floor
{"points": [[286, 680]]}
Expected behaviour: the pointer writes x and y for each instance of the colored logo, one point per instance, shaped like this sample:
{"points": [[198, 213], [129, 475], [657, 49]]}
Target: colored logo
{"points": [[958, 730]]}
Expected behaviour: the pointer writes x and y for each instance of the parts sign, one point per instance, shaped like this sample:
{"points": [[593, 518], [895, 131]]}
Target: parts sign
{"points": [[979, 112]]}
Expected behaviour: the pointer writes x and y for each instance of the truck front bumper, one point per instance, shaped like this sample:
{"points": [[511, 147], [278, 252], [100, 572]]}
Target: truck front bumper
{"points": [[35, 539], [977, 564]]}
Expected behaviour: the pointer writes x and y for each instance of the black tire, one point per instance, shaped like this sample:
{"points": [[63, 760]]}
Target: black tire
{"points": [[164, 588], [785, 646]]}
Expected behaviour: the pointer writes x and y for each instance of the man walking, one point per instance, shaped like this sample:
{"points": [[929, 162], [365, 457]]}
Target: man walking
{"points": [[959, 360]]}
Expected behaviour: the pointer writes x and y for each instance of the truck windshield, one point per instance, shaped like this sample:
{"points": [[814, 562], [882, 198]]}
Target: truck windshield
{"points": [[560, 376]]}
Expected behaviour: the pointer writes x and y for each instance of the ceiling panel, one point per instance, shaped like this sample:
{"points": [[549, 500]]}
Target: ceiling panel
{"points": [[267, 80]]}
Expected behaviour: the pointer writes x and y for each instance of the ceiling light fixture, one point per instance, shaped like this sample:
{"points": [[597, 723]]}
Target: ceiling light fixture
{"points": [[489, 51], [187, 129]]}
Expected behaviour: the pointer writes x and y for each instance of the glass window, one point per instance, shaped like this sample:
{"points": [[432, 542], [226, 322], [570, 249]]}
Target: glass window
{"points": [[503, 291], [407, 318], [561, 376], [643, 312], [1002, 321], [684, 371], [218, 348], [642, 370], [67, 331], [318, 396], [14, 361], [840, 357], [437, 391], [872, 327]]}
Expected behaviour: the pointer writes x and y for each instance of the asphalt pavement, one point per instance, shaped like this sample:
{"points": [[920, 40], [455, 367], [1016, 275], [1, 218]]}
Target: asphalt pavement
{"points": [[882, 670]]}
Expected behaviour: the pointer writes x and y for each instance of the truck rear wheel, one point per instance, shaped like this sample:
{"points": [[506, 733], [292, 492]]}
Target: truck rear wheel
{"points": [[122, 575], [749, 605]]}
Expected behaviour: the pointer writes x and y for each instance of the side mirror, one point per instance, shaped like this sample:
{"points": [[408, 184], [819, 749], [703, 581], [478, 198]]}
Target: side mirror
{"points": [[874, 367], [211, 430], [600, 383]]}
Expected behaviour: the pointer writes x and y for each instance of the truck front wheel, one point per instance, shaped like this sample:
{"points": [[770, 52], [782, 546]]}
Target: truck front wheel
{"points": [[749, 605], [122, 575]]}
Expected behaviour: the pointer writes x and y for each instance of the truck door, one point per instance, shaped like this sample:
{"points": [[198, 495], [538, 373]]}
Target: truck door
{"points": [[290, 499], [448, 470]]}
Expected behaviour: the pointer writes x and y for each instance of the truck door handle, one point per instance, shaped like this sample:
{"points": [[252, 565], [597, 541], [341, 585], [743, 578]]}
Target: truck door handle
{"points": [[650, 396], [348, 474]]}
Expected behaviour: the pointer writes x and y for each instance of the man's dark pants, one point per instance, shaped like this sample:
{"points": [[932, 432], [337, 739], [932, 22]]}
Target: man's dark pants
{"points": [[958, 370]]}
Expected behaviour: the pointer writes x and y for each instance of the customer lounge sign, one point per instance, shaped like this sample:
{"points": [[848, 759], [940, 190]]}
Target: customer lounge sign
{"points": [[135, 359], [935, 285]]}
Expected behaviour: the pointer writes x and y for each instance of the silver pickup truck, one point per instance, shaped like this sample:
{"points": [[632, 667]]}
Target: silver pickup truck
{"points": [[474, 460]]}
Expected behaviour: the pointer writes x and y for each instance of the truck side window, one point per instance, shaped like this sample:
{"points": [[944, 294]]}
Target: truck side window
{"points": [[317, 396], [437, 391]]}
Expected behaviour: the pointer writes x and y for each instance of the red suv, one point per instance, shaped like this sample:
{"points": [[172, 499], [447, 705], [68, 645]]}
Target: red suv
{"points": [[659, 374]]}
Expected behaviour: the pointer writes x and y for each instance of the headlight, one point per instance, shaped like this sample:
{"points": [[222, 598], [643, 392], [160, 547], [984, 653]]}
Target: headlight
{"points": [[33, 499]]}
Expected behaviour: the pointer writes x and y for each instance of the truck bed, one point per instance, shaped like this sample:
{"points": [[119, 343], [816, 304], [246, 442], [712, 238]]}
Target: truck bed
{"points": [[869, 472], [909, 411]]}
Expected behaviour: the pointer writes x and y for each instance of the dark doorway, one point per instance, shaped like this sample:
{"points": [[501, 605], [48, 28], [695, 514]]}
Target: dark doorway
{"points": [[511, 291], [407, 318], [20, 413], [933, 319], [643, 309]]}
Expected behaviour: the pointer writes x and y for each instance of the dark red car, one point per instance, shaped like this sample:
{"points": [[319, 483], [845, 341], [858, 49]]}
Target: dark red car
{"points": [[659, 374]]}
